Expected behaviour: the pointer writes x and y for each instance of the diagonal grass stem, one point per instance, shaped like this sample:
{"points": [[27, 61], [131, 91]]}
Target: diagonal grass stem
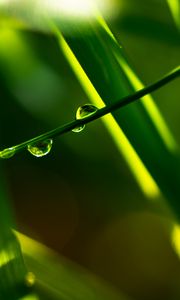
{"points": [[100, 112]]}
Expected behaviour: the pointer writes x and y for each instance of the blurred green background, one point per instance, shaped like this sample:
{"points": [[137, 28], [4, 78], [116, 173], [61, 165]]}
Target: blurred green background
{"points": [[81, 200]]}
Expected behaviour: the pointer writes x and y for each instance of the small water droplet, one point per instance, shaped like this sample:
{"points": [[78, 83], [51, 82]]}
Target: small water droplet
{"points": [[7, 153], [83, 112], [41, 148], [78, 128]]}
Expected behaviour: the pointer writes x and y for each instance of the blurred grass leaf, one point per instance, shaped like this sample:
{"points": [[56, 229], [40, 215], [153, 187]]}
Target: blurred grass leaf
{"points": [[174, 6], [74, 282]]}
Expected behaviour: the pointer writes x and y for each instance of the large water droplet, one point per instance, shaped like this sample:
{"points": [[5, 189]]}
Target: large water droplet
{"points": [[83, 112], [7, 153], [41, 148]]}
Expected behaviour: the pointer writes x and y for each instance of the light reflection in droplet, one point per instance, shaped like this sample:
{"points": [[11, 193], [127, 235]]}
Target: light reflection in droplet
{"points": [[83, 112], [41, 148], [7, 153]]}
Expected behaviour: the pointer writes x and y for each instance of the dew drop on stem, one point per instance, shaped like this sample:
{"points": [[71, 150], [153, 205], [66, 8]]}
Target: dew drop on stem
{"points": [[40, 148], [7, 153], [83, 112]]}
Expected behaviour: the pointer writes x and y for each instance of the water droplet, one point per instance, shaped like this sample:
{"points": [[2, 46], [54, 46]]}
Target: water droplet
{"points": [[7, 153], [83, 112], [78, 128], [41, 148]]}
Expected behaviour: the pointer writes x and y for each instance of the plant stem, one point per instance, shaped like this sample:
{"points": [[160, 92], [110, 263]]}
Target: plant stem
{"points": [[100, 112]]}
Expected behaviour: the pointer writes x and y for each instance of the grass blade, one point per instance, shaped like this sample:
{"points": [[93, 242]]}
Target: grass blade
{"points": [[102, 69], [12, 267]]}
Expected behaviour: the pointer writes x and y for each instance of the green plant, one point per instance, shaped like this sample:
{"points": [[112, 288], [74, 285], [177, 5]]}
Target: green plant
{"points": [[104, 73], [90, 116]]}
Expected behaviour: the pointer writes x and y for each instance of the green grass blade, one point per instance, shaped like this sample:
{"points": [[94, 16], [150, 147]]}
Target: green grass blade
{"points": [[174, 6], [103, 71], [101, 67], [64, 280], [12, 267]]}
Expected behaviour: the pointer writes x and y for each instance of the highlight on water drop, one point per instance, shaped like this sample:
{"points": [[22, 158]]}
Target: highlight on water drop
{"points": [[40, 148], [82, 112], [85, 110], [7, 153]]}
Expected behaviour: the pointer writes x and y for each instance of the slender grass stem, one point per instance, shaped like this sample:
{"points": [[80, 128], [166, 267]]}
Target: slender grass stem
{"points": [[100, 112]]}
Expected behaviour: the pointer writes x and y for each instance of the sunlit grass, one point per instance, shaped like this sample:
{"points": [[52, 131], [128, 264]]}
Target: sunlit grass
{"points": [[62, 279], [174, 6], [138, 169], [176, 238], [6, 257], [11, 40], [34, 13], [151, 109], [143, 177]]}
